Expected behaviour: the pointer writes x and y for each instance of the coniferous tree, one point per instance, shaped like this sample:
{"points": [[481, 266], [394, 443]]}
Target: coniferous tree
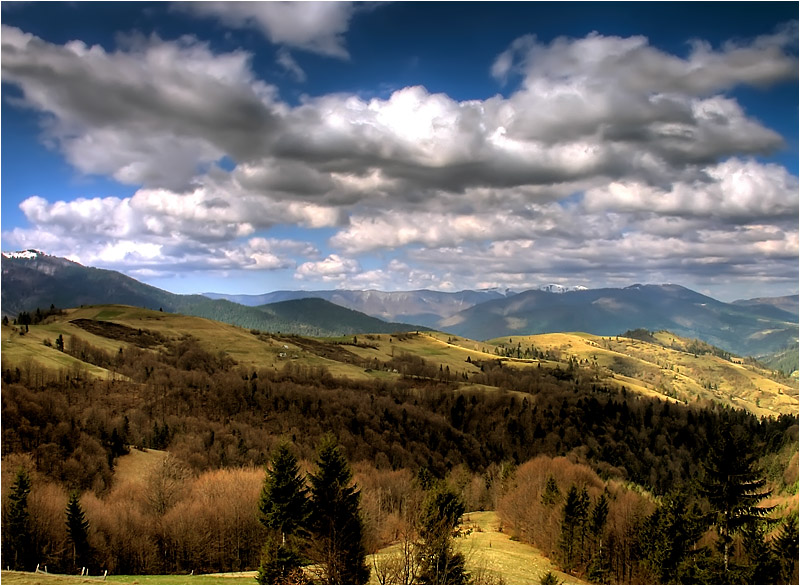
{"points": [[17, 534], [733, 485], [335, 525], [573, 526], [785, 546], [763, 566], [438, 561], [668, 536], [598, 565], [284, 510], [78, 531]]}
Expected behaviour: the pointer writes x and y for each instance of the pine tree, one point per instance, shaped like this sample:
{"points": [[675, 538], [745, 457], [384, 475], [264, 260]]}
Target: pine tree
{"points": [[17, 534], [78, 532], [335, 525], [284, 510], [733, 485], [438, 561]]}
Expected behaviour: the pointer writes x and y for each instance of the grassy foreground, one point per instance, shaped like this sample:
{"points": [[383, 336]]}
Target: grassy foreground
{"points": [[8, 577]]}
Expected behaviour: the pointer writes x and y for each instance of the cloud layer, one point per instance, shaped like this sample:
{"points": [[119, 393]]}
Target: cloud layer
{"points": [[611, 160]]}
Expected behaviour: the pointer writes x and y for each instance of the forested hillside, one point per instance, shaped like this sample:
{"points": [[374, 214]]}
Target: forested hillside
{"points": [[545, 445]]}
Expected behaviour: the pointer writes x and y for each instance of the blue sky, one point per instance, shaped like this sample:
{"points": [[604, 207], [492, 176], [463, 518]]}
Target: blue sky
{"points": [[250, 147]]}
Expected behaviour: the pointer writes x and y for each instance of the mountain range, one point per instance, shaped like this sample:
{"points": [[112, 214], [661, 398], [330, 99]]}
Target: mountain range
{"points": [[32, 279], [754, 327]]}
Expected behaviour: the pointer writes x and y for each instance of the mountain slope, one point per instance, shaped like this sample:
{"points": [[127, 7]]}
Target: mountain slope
{"points": [[740, 329], [34, 279], [424, 307], [787, 303]]}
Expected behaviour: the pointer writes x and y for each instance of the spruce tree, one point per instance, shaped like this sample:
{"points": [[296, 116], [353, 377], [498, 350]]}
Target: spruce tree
{"points": [[438, 561], [668, 536], [734, 485], [17, 534], [573, 526], [78, 531], [335, 525], [785, 546], [283, 511]]}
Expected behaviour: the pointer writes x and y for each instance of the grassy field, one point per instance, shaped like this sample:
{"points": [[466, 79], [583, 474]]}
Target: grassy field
{"points": [[487, 548], [39, 578]]}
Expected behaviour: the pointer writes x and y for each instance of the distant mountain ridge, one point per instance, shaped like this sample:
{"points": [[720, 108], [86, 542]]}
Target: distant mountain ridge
{"points": [[32, 279], [755, 327], [423, 306]]}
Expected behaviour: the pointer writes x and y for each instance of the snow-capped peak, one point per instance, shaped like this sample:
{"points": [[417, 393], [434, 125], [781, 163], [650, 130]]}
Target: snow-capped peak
{"points": [[28, 254], [554, 288]]}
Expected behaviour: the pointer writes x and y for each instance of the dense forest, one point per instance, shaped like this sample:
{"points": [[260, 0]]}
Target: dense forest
{"points": [[612, 486]]}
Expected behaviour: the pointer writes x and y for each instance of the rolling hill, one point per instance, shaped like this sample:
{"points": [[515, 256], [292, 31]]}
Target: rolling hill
{"points": [[754, 330], [666, 365], [34, 279]]}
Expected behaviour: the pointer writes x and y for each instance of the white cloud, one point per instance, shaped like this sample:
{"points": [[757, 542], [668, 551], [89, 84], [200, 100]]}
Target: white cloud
{"points": [[734, 190], [318, 27], [633, 65], [331, 269]]}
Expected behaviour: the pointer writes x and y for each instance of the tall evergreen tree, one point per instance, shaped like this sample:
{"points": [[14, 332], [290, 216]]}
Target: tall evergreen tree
{"points": [[335, 525], [785, 546], [598, 565], [438, 561], [78, 531], [734, 485], [573, 526], [17, 534], [283, 511], [668, 536]]}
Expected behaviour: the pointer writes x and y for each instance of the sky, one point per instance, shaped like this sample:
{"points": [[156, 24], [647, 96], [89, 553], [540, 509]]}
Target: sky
{"points": [[240, 147]]}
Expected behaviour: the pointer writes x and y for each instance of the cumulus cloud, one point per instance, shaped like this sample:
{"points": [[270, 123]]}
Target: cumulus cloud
{"points": [[331, 269], [634, 65], [318, 27], [154, 111], [735, 190], [159, 112], [611, 155]]}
